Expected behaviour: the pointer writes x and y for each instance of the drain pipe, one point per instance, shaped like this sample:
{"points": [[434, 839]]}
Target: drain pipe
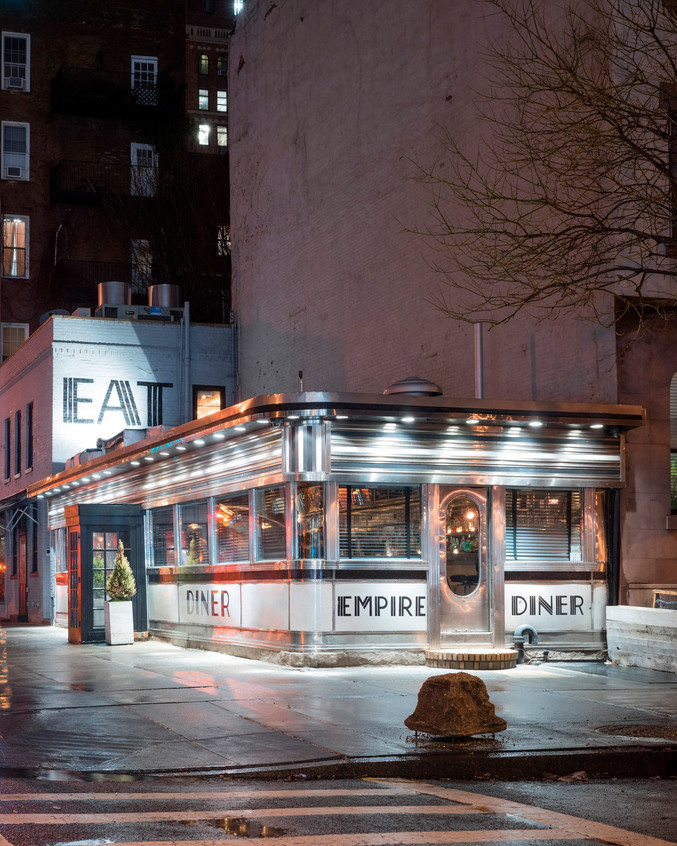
{"points": [[520, 635]]}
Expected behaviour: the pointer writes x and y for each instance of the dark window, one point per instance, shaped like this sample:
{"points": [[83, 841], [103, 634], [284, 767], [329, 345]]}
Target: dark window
{"points": [[379, 522], [29, 436], [8, 448], [34, 531], [17, 443], [222, 66], [543, 525]]}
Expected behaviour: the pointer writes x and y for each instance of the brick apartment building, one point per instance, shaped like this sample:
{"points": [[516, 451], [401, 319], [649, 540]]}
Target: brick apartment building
{"points": [[113, 119]]}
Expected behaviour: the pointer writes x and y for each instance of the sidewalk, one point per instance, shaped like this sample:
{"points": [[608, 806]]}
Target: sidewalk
{"points": [[153, 708]]}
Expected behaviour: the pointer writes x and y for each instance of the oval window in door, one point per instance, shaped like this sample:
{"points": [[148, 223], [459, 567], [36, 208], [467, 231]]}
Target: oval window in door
{"points": [[462, 526]]}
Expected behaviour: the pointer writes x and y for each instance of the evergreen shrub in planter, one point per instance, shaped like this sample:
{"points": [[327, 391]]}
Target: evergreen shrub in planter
{"points": [[118, 615]]}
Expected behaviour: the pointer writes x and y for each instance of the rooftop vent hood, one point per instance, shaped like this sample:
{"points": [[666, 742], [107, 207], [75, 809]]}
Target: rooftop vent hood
{"points": [[414, 386]]}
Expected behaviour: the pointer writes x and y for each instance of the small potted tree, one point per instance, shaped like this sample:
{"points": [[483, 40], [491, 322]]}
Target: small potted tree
{"points": [[118, 615]]}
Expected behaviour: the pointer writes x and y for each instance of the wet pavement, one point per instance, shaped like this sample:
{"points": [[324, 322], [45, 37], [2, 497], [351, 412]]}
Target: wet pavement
{"points": [[155, 709]]}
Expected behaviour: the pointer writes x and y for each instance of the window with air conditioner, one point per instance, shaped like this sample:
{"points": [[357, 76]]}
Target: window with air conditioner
{"points": [[15, 150], [143, 176], [16, 61], [15, 246]]}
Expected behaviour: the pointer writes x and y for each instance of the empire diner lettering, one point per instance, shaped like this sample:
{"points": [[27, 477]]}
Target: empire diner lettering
{"points": [[207, 603], [560, 605], [377, 606]]}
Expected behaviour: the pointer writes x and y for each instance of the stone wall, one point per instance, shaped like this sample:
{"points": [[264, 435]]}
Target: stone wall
{"points": [[642, 637]]}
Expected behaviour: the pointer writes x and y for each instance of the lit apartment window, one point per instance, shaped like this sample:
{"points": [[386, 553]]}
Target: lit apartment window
{"points": [[203, 99], [143, 176], [222, 136], [221, 101], [203, 134], [207, 400], [203, 63], [15, 246], [15, 150], [16, 54], [222, 66], [12, 336]]}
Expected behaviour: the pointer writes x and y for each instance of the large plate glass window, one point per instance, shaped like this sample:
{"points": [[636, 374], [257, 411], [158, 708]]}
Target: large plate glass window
{"points": [[310, 520], [543, 525], [379, 522], [270, 524], [162, 536], [231, 517], [194, 548]]}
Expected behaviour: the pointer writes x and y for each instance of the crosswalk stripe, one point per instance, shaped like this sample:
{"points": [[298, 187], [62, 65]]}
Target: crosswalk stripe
{"points": [[183, 795], [491, 804], [393, 838], [251, 813]]}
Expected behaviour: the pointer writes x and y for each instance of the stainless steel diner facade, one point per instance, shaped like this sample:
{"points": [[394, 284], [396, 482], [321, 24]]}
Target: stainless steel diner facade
{"points": [[318, 523]]}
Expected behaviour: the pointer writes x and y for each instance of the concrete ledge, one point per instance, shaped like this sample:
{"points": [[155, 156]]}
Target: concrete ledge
{"points": [[642, 637]]}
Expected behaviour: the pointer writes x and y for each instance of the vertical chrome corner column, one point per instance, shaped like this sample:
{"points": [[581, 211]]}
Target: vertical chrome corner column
{"points": [[431, 552], [497, 564]]}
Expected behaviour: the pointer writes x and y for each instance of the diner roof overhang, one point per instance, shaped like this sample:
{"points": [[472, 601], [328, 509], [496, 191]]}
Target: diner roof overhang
{"points": [[275, 409]]}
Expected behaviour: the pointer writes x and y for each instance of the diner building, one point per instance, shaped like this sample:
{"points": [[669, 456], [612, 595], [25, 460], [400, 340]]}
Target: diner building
{"points": [[322, 527]]}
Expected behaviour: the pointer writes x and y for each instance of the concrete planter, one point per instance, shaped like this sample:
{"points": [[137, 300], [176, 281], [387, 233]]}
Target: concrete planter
{"points": [[119, 622], [642, 637]]}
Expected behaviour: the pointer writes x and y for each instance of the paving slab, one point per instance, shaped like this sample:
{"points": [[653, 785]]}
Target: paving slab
{"points": [[151, 707]]}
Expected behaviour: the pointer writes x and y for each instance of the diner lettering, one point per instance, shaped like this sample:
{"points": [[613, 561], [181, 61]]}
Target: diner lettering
{"points": [[378, 605], [208, 603], [559, 605]]}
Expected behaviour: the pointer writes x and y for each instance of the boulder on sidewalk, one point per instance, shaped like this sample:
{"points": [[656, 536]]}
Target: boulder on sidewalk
{"points": [[454, 705]]}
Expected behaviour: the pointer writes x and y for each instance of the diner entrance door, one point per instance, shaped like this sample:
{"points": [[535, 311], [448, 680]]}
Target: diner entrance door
{"points": [[464, 603]]}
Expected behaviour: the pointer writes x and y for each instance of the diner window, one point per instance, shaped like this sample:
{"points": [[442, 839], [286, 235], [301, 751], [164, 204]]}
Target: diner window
{"points": [[203, 63], [162, 536], [231, 517], [208, 399], [310, 520], [12, 336], [270, 524], [543, 525], [15, 150], [203, 99], [193, 520], [203, 131], [16, 55], [463, 542], [379, 522], [221, 136], [104, 553], [222, 66], [221, 101], [15, 246]]}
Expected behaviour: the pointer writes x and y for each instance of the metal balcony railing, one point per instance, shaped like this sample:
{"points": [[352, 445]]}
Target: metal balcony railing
{"points": [[88, 183], [112, 94]]}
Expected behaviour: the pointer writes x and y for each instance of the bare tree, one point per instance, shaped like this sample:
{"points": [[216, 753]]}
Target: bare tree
{"points": [[571, 190]]}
